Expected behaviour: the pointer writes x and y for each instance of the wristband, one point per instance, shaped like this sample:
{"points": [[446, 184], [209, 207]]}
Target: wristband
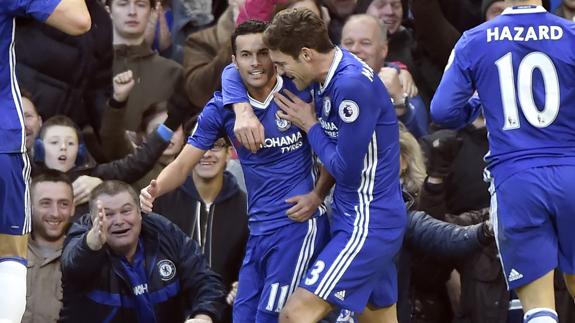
{"points": [[165, 132]]}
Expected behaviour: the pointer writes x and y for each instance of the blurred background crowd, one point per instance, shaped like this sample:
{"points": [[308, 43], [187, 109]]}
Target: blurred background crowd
{"points": [[97, 107]]}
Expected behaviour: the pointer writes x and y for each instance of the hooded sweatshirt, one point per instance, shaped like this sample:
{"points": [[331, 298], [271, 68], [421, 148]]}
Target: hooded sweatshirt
{"points": [[220, 228]]}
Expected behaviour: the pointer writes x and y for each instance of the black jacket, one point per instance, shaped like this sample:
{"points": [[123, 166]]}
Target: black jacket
{"points": [[96, 289], [484, 295], [70, 75], [220, 228], [427, 235], [403, 47]]}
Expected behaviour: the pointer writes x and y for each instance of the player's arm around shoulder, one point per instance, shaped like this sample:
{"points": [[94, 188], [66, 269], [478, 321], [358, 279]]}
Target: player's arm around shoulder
{"points": [[247, 127], [71, 17]]}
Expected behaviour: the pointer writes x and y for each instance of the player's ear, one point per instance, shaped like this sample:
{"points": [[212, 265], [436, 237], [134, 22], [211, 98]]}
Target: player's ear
{"points": [[234, 61], [306, 54]]}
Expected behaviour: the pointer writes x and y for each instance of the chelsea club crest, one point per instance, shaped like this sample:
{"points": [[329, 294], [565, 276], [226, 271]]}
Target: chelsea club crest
{"points": [[282, 124], [166, 269], [326, 106]]}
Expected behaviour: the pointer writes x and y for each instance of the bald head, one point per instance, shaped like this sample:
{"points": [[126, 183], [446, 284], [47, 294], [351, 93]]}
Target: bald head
{"points": [[366, 37]]}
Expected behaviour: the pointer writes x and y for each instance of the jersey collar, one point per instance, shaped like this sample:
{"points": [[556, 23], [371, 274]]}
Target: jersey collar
{"points": [[523, 9], [262, 105], [333, 67]]}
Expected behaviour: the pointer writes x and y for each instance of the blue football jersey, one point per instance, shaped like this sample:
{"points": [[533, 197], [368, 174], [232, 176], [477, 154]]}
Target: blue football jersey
{"points": [[357, 140], [281, 169], [522, 65], [11, 115]]}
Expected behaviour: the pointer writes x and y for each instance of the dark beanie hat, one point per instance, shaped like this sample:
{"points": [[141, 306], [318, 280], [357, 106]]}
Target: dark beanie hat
{"points": [[486, 3], [362, 6]]}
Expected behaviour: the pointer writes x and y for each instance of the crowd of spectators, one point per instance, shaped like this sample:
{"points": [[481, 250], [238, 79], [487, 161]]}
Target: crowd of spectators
{"points": [[116, 105]]}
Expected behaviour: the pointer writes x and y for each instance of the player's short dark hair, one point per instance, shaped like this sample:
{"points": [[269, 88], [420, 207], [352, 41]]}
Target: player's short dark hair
{"points": [[293, 29], [152, 3], [53, 176], [283, 5], [59, 120], [111, 188], [251, 26]]}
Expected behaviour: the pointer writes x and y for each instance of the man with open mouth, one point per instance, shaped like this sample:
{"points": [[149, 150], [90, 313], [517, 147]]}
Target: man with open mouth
{"points": [[119, 265]]}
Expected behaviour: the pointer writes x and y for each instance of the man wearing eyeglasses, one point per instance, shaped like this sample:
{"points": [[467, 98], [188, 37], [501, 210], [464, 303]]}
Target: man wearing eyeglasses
{"points": [[211, 208]]}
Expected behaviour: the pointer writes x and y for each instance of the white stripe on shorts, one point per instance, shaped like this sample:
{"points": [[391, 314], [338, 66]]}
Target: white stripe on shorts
{"points": [[27, 202], [495, 223], [361, 224], [305, 254]]}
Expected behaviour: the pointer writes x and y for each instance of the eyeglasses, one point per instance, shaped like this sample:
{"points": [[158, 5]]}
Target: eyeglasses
{"points": [[218, 146]]}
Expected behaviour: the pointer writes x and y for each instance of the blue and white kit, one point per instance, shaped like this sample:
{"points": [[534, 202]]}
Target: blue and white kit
{"points": [[357, 140], [521, 64], [15, 170], [279, 250]]}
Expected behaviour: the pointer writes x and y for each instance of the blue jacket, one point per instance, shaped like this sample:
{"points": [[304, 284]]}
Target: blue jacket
{"points": [[180, 284]]}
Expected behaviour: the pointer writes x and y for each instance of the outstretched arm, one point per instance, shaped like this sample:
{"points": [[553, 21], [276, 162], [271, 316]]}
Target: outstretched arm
{"points": [[208, 130], [171, 177]]}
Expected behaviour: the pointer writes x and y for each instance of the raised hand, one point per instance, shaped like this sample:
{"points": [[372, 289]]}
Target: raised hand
{"points": [[123, 85], [444, 146], [391, 80], [408, 83], [147, 196], [83, 186], [97, 236]]}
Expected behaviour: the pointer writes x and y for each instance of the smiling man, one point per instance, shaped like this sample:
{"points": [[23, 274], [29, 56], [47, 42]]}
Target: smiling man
{"points": [[121, 266], [52, 209], [212, 209]]}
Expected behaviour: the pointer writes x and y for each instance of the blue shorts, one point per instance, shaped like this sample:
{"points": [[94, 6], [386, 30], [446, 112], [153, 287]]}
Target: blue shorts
{"points": [[273, 266], [533, 214], [357, 268], [14, 194]]}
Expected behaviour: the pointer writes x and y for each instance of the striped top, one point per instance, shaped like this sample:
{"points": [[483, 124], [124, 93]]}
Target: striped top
{"points": [[357, 140]]}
